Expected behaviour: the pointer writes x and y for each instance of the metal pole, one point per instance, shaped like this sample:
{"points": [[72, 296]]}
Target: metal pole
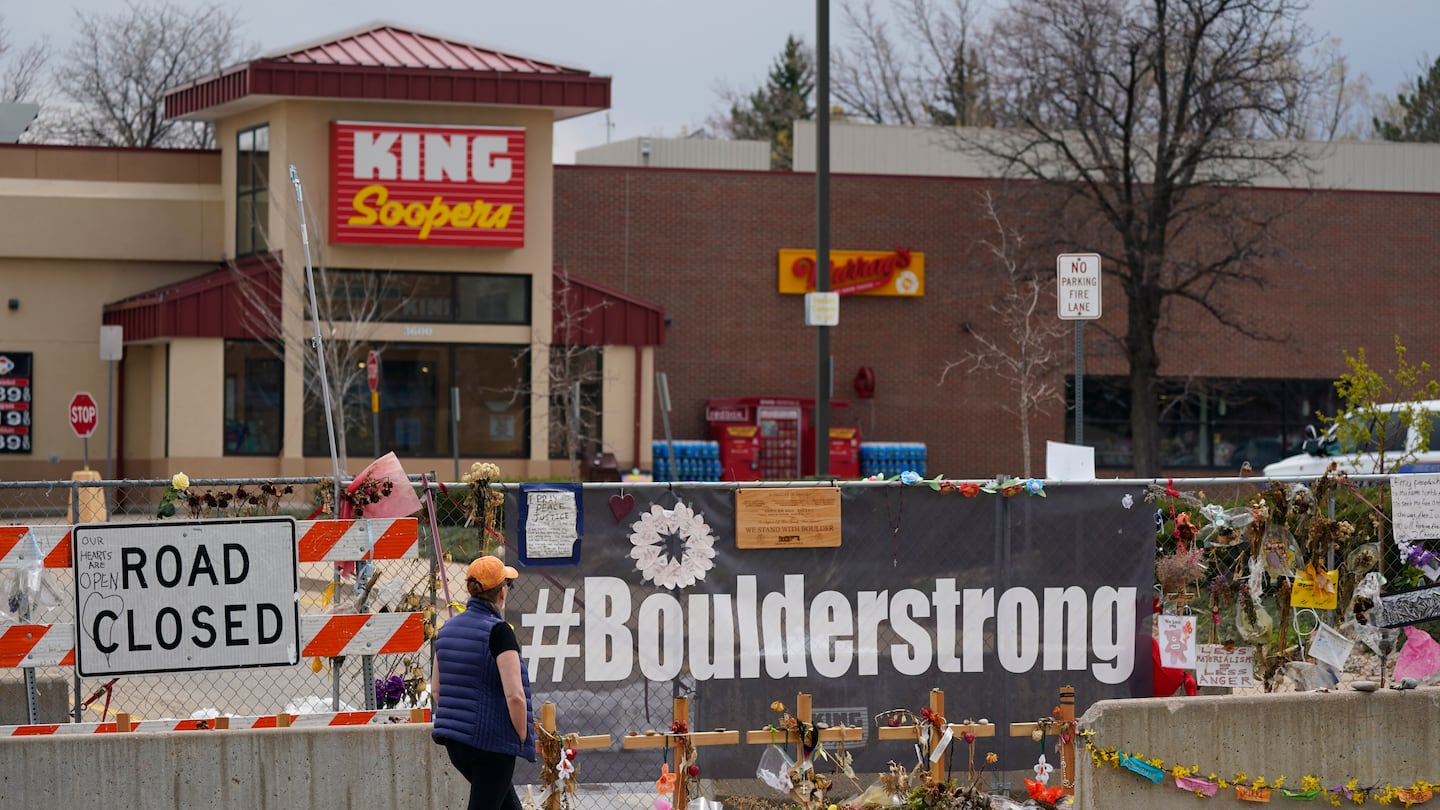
{"points": [[85, 442], [1079, 382], [109, 417], [455, 427], [318, 340], [662, 390], [822, 233]]}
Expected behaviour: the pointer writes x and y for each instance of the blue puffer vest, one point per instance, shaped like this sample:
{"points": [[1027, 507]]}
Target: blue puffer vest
{"points": [[472, 706]]}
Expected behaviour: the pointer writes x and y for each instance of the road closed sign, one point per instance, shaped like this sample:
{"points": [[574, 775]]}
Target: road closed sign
{"points": [[185, 596]]}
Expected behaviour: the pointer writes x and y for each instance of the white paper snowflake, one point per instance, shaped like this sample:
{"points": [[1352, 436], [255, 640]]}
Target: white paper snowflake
{"points": [[648, 537]]}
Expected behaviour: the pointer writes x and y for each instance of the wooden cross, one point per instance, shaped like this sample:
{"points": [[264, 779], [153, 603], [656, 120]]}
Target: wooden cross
{"points": [[804, 715], [1062, 724], [937, 707], [682, 743], [579, 743]]}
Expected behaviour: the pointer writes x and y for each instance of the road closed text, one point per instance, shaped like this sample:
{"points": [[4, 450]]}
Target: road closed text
{"points": [[185, 596], [204, 626]]}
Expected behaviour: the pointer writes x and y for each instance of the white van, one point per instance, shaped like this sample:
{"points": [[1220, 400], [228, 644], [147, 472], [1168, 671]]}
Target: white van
{"points": [[1321, 450]]}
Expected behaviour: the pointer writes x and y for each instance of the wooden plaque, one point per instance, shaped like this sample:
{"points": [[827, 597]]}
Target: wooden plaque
{"points": [[802, 517]]}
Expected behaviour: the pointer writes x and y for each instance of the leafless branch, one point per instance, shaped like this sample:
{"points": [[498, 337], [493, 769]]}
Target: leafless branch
{"points": [[116, 72], [1026, 352]]}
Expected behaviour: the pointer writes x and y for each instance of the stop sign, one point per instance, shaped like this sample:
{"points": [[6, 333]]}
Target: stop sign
{"points": [[372, 371], [84, 414]]}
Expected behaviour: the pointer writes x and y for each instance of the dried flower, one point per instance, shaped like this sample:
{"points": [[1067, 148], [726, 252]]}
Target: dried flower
{"points": [[1176, 571]]}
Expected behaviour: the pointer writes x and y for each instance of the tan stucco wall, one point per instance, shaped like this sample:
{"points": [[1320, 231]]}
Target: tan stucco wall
{"points": [[115, 205], [58, 321], [625, 367], [300, 136]]}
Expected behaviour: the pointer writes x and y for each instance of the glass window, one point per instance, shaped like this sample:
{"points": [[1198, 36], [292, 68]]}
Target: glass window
{"points": [[254, 399], [1205, 422], [252, 196], [415, 418], [493, 299], [371, 295], [494, 409]]}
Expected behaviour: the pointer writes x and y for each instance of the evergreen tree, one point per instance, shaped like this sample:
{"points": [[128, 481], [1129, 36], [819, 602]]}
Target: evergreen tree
{"points": [[769, 113], [1419, 112]]}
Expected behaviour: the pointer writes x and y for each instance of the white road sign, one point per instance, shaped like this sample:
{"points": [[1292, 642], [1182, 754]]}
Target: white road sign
{"points": [[1077, 293], [185, 596]]}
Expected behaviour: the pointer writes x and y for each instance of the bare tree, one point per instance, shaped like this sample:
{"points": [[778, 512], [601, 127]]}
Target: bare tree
{"points": [[20, 70], [1024, 355], [574, 374], [351, 305], [116, 72], [934, 75], [1143, 115]]}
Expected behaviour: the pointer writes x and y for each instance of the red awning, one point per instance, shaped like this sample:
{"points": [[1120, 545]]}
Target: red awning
{"points": [[589, 314], [221, 304], [210, 305]]}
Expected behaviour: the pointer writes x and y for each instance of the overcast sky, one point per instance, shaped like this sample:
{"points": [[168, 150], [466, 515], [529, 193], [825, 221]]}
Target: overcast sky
{"points": [[666, 58]]}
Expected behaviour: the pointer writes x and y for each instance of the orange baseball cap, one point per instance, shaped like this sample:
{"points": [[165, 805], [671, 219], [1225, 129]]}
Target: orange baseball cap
{"points": [[490, 571]]}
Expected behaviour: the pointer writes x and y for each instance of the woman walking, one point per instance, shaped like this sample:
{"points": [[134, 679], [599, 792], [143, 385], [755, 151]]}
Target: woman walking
{"points": [[483, 715]]}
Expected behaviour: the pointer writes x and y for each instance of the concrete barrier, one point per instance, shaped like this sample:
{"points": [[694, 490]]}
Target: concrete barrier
{"points": [[363, 767], [1383, 737]]}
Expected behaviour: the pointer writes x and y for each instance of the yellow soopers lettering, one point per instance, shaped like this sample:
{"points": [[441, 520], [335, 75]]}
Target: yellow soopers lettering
{"points": [[437, 214]]}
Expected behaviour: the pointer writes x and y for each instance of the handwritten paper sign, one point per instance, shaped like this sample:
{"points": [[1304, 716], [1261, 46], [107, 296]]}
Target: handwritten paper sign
{"points": [[1177, 641], [550, 523], [1415, 500], [806, 517], [1217, 666]]}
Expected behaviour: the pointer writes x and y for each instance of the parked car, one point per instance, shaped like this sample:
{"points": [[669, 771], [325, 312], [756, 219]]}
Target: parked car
{"points": [[1402, 443]]}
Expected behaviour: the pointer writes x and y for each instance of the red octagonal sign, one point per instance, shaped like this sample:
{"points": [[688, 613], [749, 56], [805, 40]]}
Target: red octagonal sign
{"points": [[84, 414]]}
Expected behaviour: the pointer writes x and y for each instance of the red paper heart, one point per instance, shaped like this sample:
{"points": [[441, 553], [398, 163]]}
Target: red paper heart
{"points": [[621, 505]]}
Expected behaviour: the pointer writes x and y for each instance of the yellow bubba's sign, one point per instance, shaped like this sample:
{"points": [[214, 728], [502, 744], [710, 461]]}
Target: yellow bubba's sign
{"points": [[413, 184], [856, 272]]}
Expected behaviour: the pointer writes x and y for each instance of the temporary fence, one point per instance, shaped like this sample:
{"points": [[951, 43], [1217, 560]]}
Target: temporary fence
{"points": [[730, 596]]}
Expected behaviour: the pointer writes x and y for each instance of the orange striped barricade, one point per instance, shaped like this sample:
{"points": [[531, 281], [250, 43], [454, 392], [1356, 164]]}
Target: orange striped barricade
{"points": [[124, 723], [29, 645]]}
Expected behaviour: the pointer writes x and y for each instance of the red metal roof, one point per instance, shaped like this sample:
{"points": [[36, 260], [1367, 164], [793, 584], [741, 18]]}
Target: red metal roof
{"points": [[588, 314], [213, 305], [208, 305], [386, 62]]}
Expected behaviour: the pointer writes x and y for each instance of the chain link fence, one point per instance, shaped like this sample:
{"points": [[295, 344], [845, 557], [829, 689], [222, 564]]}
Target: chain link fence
{"points": [[1341, 525], [35, 594]]}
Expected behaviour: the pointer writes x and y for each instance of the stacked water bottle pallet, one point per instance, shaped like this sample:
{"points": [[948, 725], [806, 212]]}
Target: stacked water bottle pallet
{"points": [[694, 461], [891, 458]]}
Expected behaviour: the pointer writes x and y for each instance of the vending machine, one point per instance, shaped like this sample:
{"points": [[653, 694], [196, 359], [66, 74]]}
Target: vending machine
{"points": [[739, 451], [845, 452], [785, 430]]}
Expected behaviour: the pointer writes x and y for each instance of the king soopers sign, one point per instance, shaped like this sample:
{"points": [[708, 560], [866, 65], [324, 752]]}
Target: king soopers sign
{"points": [[407, 184]]}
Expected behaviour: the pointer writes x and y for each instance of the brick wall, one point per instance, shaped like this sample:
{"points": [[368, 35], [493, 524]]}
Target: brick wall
{"points": [[1345, 270]]}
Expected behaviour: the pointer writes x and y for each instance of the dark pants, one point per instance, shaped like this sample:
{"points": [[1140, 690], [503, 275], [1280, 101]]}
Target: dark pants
{"points": [[489, 776]]}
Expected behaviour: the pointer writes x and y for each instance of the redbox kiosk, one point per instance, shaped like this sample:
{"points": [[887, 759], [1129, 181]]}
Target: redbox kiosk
{"points": [[786, 432], [845, 452]]}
